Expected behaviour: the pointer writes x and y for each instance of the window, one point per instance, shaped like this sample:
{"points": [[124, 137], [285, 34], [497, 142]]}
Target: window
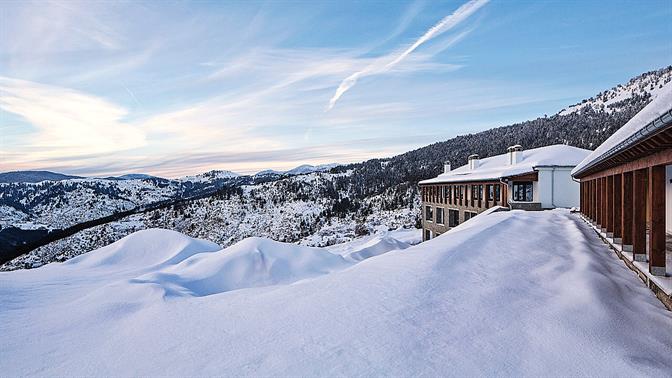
{"points": [[453, 217], [468, 215], [446, 193], [480, 192], [493, 191], [429, 215], [439, 215], [428, 235], [522, 191]]}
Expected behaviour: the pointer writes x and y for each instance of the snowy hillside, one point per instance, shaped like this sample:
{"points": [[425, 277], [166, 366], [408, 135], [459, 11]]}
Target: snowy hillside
{"points": [[210, 176], [644, 85], [307, 168], [306, 209], [33, 176], [62, 204], [482, 299], [315, 209]]}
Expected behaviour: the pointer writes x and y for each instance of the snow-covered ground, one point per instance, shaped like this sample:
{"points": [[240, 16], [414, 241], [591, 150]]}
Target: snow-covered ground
{"points": [[509, 293]]}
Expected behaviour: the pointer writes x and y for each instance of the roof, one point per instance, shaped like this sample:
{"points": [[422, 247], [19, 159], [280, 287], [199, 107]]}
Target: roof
{"points": [[654, 117], [496, 167]]}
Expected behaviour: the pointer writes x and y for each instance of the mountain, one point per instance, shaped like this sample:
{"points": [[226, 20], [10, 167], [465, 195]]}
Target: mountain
{"points": [[135, 176], [211, 176], [644, 85], [315, 209], [269, 172], [307, 168], [586, 128], [33, 176]]}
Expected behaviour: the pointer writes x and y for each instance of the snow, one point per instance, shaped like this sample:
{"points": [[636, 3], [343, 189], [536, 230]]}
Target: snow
{"points": [[496, 167], [307, 168], [210, 176], [482, 299], [377, 244], [136, 176], [146, 248], [649, 83], [267, 172], [656, 108], [253, 262]]}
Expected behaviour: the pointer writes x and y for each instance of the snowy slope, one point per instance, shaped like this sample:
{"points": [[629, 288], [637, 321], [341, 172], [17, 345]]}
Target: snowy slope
{"points": [[253, 262], [33, 176], [377, 244], [654, 110], [210, 176], [482, 299], [651, 83], [307, 168]]}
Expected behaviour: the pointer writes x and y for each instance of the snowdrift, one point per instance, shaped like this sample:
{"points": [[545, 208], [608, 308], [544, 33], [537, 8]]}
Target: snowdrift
{"points": [[507, 294], [375, 247], [252, 262], [144, 249]]}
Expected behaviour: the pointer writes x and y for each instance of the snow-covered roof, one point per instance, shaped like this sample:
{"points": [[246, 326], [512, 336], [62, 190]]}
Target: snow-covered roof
{"points": [[631, 131], [496, 167]]}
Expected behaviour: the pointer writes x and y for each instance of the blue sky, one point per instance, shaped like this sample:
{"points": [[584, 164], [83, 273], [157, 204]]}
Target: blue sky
{"points": [[176, 88]]}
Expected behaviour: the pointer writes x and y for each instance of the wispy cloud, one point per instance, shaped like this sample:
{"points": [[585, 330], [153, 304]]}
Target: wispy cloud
{"points": [[67, 122], [383, 65]]}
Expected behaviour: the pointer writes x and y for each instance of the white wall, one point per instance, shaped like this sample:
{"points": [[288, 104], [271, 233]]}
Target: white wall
{"points": [[556, 188], [668, 200]]}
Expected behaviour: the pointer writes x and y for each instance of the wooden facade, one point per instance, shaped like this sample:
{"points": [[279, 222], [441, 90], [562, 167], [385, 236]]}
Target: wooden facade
{"points": [[625, 195]]}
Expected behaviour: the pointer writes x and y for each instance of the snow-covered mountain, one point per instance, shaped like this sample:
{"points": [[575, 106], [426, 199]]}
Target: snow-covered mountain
{"points": [[135, 176], [269, 172], [307, 168], [300, 170], [33, 176], [308, 209], [317, 208], [648, 84], [211, 176], [481, 299]]}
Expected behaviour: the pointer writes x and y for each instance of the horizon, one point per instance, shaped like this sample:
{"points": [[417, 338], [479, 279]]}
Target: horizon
{"points": [[252, 86]]}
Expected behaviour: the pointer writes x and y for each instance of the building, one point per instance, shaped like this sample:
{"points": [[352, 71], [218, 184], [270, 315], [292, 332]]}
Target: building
{"points": [[530, 180], [626, 189]]}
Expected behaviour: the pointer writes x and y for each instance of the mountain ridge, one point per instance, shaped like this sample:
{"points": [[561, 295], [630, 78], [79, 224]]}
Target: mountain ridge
{"points": [[318, 208]]}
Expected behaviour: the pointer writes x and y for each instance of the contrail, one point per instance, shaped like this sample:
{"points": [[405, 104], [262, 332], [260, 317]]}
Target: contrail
{"points": [[447, 23]]}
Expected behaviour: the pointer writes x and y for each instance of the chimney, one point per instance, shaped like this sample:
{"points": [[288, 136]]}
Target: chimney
{"points": [[515, 154], [446, 167], [473, 161]]}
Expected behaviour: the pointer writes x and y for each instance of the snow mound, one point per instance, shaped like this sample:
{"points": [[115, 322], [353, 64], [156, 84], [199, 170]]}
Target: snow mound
{"points": [[376, 247], [512, 293], [252, 262], [143, 249]]}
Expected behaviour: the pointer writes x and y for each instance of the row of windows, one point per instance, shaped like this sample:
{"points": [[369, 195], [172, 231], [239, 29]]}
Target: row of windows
{"points": [[522, 192], [453, 216], [460, 192]]}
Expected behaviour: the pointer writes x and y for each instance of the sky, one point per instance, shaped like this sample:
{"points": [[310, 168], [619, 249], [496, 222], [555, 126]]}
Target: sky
{"points": [[103, 88]]}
